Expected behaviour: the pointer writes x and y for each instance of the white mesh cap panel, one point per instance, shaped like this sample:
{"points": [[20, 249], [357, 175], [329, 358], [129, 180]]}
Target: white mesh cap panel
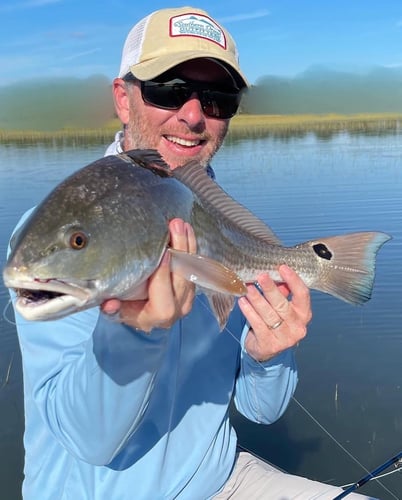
{"points": [[133, 46]]}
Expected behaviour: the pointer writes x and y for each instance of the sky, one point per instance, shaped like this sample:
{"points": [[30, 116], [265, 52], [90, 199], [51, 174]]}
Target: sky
{"points": [[80, 38]]}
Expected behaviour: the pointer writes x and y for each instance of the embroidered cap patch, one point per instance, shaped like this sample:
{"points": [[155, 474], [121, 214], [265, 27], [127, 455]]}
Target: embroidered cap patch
{"points": [[199, 26]]}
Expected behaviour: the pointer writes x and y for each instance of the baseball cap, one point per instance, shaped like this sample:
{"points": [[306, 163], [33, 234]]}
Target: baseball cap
{"points": [[168, 37]]}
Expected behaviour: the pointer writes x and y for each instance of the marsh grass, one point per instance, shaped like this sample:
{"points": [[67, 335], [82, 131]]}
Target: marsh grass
{"points": [[325, 126], [63, 136], [242, 126]]}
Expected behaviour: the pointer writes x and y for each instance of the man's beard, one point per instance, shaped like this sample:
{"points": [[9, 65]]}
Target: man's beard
{"points": [[138, 136]]}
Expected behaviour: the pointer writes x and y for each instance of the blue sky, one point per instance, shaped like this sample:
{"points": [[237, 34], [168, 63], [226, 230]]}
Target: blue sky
{"points": [[57, 38]]}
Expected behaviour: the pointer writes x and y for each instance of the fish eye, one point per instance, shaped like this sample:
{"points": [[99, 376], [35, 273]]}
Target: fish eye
{"points": [[78, 240]]}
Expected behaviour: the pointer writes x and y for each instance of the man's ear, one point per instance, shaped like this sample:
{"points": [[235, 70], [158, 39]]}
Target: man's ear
{"points": [[121, 100]]}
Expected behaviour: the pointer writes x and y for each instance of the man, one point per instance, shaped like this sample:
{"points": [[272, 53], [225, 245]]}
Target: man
{"points": [[138, 407]]}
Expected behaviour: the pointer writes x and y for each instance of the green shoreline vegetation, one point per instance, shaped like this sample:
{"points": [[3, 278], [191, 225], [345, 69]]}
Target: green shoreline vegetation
{"points": [[322, 125], [242, 126]]}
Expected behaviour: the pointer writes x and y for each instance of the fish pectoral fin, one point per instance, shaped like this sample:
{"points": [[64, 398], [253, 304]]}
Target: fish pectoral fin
{"points": [[206, 273], [221, 306]]}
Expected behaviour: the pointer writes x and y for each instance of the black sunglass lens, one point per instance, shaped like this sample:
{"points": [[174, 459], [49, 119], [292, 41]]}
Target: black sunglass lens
{"points": [[173, 95], [165, 95], [219, 104]]}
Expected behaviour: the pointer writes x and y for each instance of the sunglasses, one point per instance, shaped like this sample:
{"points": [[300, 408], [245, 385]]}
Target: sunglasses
{"points": [[217, 100]]}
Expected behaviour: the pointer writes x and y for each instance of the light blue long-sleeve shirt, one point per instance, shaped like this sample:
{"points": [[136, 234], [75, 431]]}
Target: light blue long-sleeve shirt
{"points": [[115, 413]]}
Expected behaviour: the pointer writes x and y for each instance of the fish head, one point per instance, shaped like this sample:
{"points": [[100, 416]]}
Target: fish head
{"points": [[44, 271], [57, 269]]}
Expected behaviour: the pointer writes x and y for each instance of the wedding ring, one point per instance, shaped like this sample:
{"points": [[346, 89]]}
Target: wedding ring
{"points": [[276, 325]]}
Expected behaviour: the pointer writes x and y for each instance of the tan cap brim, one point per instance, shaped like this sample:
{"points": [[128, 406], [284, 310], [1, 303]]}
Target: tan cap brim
{"points": [[147, 70]]}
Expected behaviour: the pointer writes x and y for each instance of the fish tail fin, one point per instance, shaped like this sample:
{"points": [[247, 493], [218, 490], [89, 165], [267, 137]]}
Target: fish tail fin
{"points": [[350, 267]]}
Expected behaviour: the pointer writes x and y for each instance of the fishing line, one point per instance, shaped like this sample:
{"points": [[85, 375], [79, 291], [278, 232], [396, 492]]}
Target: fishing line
{"points": [[5, 311], [7, 377], [309, 414]]}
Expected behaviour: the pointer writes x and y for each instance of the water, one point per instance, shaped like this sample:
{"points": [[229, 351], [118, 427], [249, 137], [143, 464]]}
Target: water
{"points": [[350, 387]]}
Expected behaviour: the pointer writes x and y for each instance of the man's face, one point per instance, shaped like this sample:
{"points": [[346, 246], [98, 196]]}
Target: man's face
{"points": [[179, 135]]}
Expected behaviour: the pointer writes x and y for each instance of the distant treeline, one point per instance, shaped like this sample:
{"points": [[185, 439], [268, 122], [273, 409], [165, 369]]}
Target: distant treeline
{"points": [[54, 104], [321, 90]]}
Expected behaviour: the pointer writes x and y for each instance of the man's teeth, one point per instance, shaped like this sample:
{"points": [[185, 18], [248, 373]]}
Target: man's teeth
{"points": [[182, 142]]}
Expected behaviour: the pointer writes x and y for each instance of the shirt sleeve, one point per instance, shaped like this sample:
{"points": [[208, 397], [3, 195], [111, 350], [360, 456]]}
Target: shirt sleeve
{"points": [[264, 389]]}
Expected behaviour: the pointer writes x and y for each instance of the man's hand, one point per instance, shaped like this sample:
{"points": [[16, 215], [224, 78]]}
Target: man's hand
{"points": [[170, 296], [276, 322]]}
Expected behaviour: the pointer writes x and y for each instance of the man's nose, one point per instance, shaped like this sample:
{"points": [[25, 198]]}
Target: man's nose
{"points": [[191, 112]]}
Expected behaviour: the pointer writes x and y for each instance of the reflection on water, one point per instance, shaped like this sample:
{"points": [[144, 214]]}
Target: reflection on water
{"points": [[350, 363]]}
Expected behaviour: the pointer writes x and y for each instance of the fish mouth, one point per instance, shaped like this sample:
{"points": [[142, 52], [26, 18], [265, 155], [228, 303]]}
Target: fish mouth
{"points": [[48, 299]]}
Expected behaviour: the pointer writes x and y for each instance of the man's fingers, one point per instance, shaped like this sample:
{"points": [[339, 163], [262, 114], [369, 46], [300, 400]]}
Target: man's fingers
{"points": [[276, 320], [178, 235], [301, 299], [192, 242], [111, 306], [182, 238]]}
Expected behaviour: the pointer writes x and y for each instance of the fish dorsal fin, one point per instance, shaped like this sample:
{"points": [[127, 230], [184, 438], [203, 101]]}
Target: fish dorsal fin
{"points": [[149, 159], [215, 199]]}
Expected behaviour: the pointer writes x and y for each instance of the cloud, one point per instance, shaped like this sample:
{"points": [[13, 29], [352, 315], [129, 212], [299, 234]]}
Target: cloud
{"points": [[39, 3], [81, 54], [246, 16], [393, 65], [29, 4]]}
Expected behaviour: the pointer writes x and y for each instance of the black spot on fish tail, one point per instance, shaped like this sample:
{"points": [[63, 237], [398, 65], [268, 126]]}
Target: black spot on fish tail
{"points": [[322, 251]]}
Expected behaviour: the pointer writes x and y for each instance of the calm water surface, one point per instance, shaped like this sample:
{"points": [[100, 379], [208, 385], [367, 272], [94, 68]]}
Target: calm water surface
{"points": [[347, 415]]}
